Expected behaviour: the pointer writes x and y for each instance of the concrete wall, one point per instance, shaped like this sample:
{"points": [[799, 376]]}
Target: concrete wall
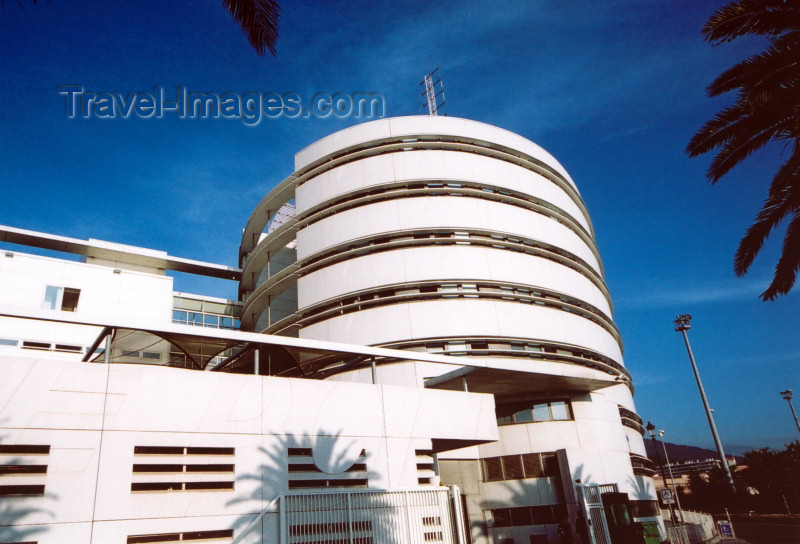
{"points": [[93, 416]]}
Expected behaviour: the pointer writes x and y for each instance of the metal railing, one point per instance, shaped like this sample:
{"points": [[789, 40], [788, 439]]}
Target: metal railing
{"points": [[365, 516]]}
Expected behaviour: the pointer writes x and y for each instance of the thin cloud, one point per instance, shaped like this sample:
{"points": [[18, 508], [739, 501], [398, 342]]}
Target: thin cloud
{"points": [[729, 291]]}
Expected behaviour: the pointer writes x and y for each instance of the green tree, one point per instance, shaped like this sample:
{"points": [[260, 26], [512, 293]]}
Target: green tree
{"points": [[775, 476], [712, 493], [767, 109]]}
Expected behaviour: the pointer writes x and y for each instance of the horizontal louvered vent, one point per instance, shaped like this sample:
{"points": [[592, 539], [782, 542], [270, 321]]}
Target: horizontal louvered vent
{"points": [[224, 535], [304, 473], [23, 469], [176, 468], [426, 470]]}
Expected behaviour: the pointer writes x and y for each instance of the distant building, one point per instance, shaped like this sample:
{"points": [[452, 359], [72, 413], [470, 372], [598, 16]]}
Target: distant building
{"points": [[698, 467], [423, 304]]}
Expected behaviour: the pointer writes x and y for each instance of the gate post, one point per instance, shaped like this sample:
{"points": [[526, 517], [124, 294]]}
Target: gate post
{"points": [[458, 514]]}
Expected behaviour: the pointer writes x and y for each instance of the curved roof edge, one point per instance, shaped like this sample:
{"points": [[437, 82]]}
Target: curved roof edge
{"points": [[416, 124]]}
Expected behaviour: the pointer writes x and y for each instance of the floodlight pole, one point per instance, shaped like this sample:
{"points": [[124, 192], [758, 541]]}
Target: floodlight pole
{"points": [[682, 324], [787, 396]]}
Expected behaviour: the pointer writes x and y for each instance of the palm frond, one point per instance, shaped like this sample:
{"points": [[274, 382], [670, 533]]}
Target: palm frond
{"points": [[775, 208], [761, 17], [259, 21], [770, 69], [717, 131], [789, 263], [756, 133], [767, 109], [788, 174], [738, 134]]}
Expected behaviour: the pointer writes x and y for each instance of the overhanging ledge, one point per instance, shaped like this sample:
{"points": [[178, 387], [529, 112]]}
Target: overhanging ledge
{"points": [[133, 255]]}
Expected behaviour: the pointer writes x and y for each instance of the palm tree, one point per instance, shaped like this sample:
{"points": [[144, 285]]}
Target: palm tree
{"points": [[767, 109], [258, 19]]}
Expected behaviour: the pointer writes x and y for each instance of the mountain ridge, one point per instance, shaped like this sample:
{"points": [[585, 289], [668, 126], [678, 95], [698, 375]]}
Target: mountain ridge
{"points": [[679, 453]]}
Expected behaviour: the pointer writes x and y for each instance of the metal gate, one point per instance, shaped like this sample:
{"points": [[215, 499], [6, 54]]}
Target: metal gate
{"points": [[372, 517], [591, 495]]}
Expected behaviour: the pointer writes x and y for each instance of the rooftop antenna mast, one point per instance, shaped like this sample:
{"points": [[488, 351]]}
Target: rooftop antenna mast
{"points": [[434, 92]]}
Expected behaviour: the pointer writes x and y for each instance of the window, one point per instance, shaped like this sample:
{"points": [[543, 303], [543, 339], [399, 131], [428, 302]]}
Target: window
{"points": [[61, 298], [456, 346], [529, 515], [205, 313], [179, 316], [533, 465], [512, 467], [449, 288], [492, 469], [519, 467], [69, 301], [521, 516], [501, 517], [470, 290], [211, 321], [559, 411], [529, 412]]}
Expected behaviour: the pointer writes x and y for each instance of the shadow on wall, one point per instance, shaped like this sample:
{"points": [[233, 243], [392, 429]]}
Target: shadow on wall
{"points": [[314, 465], [14, 509], [584, 478], [542, 519], [12, 519], [641, 490]]}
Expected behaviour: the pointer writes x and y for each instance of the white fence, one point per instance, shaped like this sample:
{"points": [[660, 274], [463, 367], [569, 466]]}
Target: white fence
{"points": [[698, 527], [371, 517]]}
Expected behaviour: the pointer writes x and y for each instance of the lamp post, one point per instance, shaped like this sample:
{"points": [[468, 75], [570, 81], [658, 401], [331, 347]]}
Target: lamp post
{"points": [[787, 396], [651, 430], [671, 477], [682, 324]]}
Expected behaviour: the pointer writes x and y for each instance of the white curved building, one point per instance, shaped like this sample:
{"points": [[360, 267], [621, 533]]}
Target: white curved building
{"points": [[444, 235], [435, 314]]}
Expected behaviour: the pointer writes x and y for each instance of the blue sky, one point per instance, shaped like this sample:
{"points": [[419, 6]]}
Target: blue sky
{"points": [[612, 89]]}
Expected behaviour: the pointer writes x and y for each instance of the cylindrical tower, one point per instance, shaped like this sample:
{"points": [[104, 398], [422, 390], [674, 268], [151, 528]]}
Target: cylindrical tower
{"points": [[446, 235]]}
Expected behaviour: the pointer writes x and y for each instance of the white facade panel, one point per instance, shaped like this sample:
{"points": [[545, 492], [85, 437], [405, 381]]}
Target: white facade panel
{"points": [[101, 414], [415, 125], [465, 317], [103, 292], [446, 263], [437, 212]]}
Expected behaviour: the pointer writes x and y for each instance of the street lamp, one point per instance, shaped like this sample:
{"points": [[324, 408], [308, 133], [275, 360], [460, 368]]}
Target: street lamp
{"points": [[671, 477], [651, 430], [787, 396], [683, 323]]}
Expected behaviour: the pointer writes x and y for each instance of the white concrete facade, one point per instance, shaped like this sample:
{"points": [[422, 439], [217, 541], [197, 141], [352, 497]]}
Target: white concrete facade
{"points": [[445, 235], [131, 449], [422, 303], [94, 417]]}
